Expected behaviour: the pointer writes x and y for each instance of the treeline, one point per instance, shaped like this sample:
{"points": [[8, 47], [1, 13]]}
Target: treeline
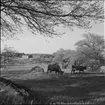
{"points": [[11, 57]]}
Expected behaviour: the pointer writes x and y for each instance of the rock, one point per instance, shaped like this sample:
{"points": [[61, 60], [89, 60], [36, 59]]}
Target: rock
{"points": [[37, 69]]}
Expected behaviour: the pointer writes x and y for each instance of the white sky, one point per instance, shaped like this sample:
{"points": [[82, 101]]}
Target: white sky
{"points": [[29, 43]]}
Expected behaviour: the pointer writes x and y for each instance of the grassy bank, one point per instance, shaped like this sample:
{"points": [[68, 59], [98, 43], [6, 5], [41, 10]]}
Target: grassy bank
{"points": [[69, 89]]}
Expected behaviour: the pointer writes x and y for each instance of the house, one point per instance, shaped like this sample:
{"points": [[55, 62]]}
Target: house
{"points": [[24, 57]]}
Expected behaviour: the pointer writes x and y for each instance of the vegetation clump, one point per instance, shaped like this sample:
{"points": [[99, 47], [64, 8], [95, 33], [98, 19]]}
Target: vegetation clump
{"points": [[11, 93]]}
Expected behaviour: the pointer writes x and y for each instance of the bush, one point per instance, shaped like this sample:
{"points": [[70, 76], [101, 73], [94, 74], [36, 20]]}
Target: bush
{"points": [[37, 69], [93, 64], [14, 94], [6, 99]]}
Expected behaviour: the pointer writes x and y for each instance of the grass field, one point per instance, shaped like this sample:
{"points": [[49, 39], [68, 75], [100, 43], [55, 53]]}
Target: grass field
{"points": [[78, 89]]}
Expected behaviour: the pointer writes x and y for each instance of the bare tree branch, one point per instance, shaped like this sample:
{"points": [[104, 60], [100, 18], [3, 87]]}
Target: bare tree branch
{"points": [[44, 15]]}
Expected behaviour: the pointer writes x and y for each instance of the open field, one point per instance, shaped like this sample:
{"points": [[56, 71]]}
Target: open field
{"points": [[70, 89], [78, 89], [15, 70]]}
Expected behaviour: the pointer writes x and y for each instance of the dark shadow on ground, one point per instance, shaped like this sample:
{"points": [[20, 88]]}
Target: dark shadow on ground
{"points": [[86, 89]]}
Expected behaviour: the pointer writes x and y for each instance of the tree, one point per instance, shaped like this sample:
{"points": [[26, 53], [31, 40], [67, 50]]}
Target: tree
{"points": [[58, 56], [90, 51], [44, 16], [65, 57], [8, 55]]}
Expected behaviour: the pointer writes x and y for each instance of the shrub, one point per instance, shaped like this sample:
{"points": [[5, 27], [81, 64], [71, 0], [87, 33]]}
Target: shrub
{"points": [[6, 99], [14, 94]]}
